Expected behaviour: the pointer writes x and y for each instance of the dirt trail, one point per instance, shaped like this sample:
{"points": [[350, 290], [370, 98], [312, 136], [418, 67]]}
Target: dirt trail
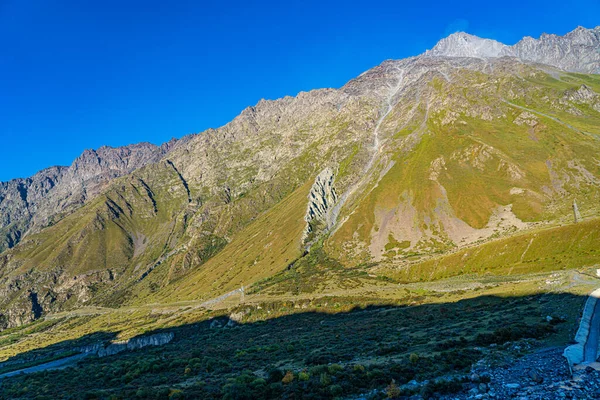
{"points": [[553, 119]]}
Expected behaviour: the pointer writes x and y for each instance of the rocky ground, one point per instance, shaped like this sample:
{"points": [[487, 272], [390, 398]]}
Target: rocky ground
{"points": [[543, 374]]}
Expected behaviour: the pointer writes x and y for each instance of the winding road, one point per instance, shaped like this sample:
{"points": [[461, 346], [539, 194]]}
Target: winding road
{"points": [[56, 364]]}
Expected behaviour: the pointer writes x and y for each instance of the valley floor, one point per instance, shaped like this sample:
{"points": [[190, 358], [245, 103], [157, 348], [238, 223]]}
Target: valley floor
{"points": [[328, 346]]}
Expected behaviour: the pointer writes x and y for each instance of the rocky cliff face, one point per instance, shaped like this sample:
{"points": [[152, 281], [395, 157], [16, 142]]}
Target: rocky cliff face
{"points": [[321, 199], [577, 51], [135, 343]]}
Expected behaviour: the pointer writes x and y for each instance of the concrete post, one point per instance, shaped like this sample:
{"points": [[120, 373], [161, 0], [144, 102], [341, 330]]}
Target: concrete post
{"points": [[576, 213]]}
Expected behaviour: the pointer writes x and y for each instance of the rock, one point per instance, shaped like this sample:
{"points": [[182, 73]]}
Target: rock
{"points": [[482, 388], [231, 323], [321, 200], [216, 324], [238, 316], [135, 343], [512, 385], [534, 376], [474, 378], [485, 377], [411, 385]]}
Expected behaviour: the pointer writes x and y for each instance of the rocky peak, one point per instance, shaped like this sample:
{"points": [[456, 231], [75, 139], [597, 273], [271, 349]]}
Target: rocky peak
{"points": [[462, 44], [577, 51]]}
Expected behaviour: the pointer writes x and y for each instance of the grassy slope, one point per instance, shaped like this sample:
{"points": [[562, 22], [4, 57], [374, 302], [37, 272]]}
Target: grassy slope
{"points": [[263, 248], [552, 249]]}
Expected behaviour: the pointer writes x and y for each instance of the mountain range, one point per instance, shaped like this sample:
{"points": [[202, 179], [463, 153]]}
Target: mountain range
{"points": [[404, 166]]}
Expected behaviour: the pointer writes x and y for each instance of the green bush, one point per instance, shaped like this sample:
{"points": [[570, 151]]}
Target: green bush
{"points": [[303, 376], [358, 368], [336, 390], [325, 379], [334, 369], [274, 375], [392, 390], [513, 333], [317, 369], [413, 358]]}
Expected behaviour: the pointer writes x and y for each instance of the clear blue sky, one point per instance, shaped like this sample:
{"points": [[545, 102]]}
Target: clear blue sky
{"points": [[81, 74]]}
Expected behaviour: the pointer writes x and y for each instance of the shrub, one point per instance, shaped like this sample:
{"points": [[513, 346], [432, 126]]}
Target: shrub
{"points": [[513, 333], [303, 376], [413, 358], [334, 369], [392, 390], [274, 375], [274, 390], [288, 377], [246, 386], [441, 387], [336, 390], [557, 320], [459, 359], [325, 379], [142, 392], [176, 394], [320, 358], [317, 369], [452, 343], [358, 368], [391, 349]]}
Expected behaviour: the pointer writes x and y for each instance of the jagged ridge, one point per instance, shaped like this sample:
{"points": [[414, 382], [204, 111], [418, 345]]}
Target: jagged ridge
{"points": [[577, 51]]}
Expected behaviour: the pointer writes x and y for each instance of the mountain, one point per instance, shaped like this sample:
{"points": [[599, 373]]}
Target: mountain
{"points": [[412, 160], [577, 51], [28, 205], [462, 44]]}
